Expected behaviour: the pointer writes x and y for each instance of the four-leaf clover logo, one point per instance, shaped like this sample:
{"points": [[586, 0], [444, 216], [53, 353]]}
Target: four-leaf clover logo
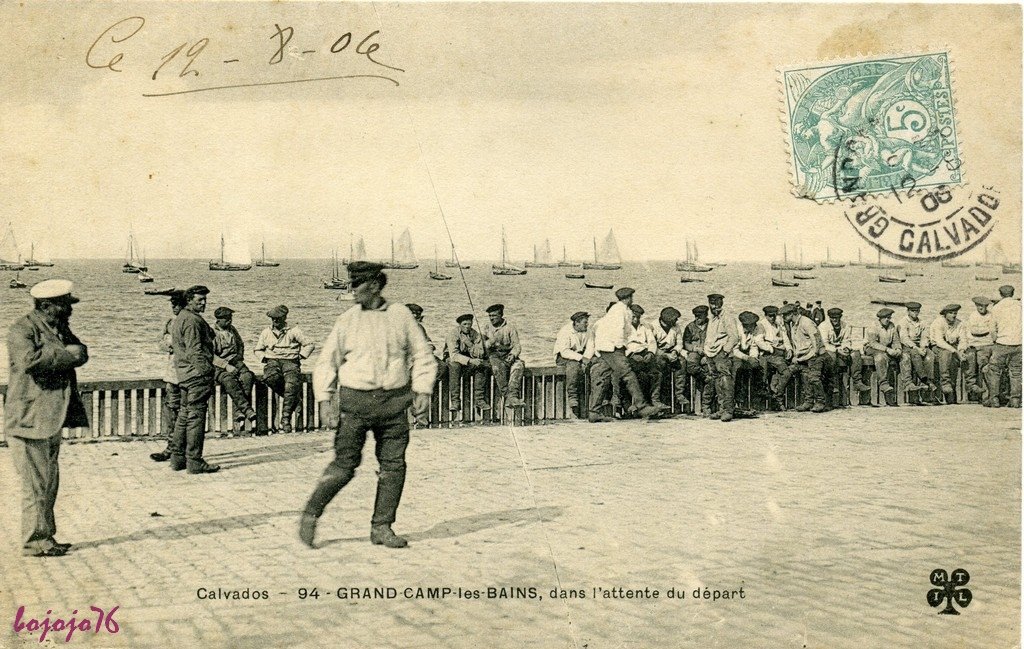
{"points": [[949, 589]]}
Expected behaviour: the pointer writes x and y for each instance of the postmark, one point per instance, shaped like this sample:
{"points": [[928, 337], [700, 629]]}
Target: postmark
{"points": [[871, 126]]}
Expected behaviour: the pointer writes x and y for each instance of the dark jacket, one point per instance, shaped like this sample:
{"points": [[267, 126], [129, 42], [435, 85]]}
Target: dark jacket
{"points": [[192, 342]]}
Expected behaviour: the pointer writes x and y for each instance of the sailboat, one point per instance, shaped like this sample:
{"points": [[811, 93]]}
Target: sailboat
{"points": [[608, 258], [542, 258], [1011, 269], [453, 263], [144, 277], [691, 265], [262, 261], [987, 261], [828, 263], [565, 263], [337, 282], [402, 257], [883, 266], [234, 255], [436, 274], [859, 262], [17, 283], [505, 268], [33, 263], [954, 264], [10, 258], [132, 264], [785, 264], [891, 279]]}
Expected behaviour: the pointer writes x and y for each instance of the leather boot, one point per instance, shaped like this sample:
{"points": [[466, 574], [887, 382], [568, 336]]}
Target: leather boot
{"points": [[384, 535], [307, 529]]}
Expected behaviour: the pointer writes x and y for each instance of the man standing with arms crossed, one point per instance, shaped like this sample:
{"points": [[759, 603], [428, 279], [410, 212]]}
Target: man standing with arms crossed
{"points": [[376, 362]]}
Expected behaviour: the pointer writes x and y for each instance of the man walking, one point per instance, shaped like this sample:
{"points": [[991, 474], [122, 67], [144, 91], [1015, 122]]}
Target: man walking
{"points": [[281, 349], [192, 340], [570, 345], [42, 398], [464, 350], [376, 362], [171, 400], [501, 342], [230, 370], [1006, 356]]}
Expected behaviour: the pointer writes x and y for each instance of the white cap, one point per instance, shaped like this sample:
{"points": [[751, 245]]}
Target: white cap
{"points": [[50, 289]]}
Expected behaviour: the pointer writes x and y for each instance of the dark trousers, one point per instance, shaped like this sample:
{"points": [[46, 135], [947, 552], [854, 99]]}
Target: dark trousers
{"points": [[384, 413], [190, 427], [912, 364], [1005, 358], [507, 376], [810, 371], [35, 461], [600, 384], [618, 370], [974, 370], [949, 365], [573, 379], [882, 361], [751, 367], [775, 371], [284, 377], [238, 384], [669, 366], [720, 366], [170, 406], [457, 372], [648, 373], [838, 371]]}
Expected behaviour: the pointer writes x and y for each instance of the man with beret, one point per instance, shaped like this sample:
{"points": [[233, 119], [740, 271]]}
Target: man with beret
{"points": [[641, 350], [808, 357], [916, 360], [611, 333], [745, 356], [947, 337], [570, 346], [375, 364], [882, 344], [1006, 350], [281, 349], [42, 398], [671, 357], [842, 359], [230, 370], [192, 340], [776, 352], [979, 327], [501, 342], [721, 337], [171, 399], [697, 366], [464, 350]]}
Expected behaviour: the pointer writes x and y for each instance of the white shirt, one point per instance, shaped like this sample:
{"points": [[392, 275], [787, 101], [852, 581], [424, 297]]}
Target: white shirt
{"points": [[370, 349], [569, 343], [952, 338], [721, 335], [669, 341], [746, 345], [613, 329], [834, 341], [979, 329], [1006, 318], [641, 339]]}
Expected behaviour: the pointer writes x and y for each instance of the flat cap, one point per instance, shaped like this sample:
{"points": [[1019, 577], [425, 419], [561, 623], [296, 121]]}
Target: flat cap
{"points": [[636, 309], [222, 312], [670, 313], [624, 292], [54, 289], [716, 297], [579, 315], [748, 318], [884, 312], [700, 309], [835, 312], [771, 310], [1006, 290], [464, 317], [788, 308], [981, 300], [280, 311], [360, 272], [415, 308], [949, 308], [198, 289], [913, 306], [496, 308], [817, 302]]}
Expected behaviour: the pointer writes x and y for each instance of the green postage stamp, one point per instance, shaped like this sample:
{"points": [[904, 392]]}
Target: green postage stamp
{"points": [[871, 126]]}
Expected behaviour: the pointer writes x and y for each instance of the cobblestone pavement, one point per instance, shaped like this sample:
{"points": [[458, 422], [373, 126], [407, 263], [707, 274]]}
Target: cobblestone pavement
{"points": [[831, 524]]}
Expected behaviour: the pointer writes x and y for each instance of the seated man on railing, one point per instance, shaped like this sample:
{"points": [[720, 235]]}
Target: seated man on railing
{"points": [[745, 357], [842, 359], [808, 357], [947, 337], [230, 370], [671, 356], [464, 354], [979, 346], [696, 363], [775, 354], [917, 362], [501, 342], [570, 345], [641, 347], [882, 344]]}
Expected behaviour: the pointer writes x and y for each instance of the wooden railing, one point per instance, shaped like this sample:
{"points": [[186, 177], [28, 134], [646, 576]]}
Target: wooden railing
{"points": [[133, 407]]}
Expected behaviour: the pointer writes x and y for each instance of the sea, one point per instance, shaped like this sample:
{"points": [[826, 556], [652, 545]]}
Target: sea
{"points": [[122, 326]]}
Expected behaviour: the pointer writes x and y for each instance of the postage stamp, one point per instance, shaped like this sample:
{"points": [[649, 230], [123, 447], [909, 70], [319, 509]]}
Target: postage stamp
{"points": [[871, 126]]}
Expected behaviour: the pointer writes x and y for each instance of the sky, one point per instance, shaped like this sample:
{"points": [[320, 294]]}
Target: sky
{"points": [[554, 121]]}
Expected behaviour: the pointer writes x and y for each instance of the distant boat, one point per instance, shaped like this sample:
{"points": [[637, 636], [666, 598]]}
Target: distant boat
{"points": [[542, 257], [1011, 269], [785, 264], [565, 263], [575, 276], [859, 262], [145, 278], [34, 264], [884, 302], [986, 278], [10, 258], [160, 291], [608, 258], [890, 279], [234, 254], [262, 261], [913, 273], [883, 265], [784, 283], [17, 283], [337, 282], [955, 264], [691, 265], [453, 263], [604, 286], [132, 263], [686, 279], [504, 268], [796, 276], [828, 263], [402, 256], [436, 274]]}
